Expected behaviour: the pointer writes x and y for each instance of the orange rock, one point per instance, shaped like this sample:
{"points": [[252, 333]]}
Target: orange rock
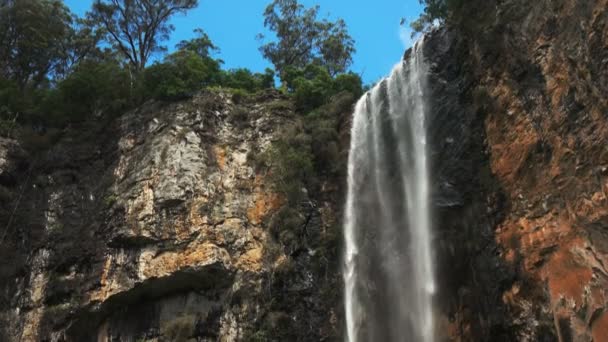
{"points": [[599, 328], [264, 202], [220, 156], [251, 260], [567, 276]]}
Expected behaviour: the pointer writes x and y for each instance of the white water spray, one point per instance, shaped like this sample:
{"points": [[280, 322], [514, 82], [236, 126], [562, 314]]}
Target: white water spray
{"points": [[388, 270]]}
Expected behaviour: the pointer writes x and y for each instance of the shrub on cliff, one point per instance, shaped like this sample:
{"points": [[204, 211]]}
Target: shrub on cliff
{"points": [[93, 88], [349, 83], [291, 165], [312, 86], [192, 68], [180, 75], [246, 80], [323, 126]]}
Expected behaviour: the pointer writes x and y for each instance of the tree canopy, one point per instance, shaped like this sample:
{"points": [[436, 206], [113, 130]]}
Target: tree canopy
{"points": [[33, 39], [302, 38], [201, 44], [434, 11], [57, 68], [136, 28]]}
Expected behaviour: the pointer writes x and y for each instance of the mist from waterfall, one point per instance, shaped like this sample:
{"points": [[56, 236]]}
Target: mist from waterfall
{"points": [[388, 260]]}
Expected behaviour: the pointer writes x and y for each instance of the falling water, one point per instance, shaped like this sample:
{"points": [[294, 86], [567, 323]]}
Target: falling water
{"points": [[388, 272]]}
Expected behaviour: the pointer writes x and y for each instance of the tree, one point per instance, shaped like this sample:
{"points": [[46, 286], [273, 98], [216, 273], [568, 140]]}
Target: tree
{"points": [[244, 79], [33, 36], [136, 28], [303, 39], [434, 11], [336, 47], [180, 75], [201, 45], [79, 46], [312, 87], [92, 88]]}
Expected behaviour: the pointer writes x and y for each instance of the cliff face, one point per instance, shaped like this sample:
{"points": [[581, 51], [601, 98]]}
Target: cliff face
{"points": [[157, 227], [521, 139], [548, 138]]}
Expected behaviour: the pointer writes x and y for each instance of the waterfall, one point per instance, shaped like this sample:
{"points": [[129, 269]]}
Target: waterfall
{"points": [[388, 266]]}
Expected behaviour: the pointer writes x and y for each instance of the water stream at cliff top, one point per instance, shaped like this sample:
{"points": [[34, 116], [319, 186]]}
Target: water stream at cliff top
{"points": [[388, 270]]}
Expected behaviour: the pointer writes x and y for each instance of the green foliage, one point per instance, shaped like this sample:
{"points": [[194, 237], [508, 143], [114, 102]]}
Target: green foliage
{"points": [[180, 75], [239, 116], [137, 28], [239, 96], [280, 107], [33, 39], [94, 88], [435, 11], [310, 86], [313, 86], [22, 105], [287, 219], [302, 39], [325, 144], [201, 45], [322, 125], [308, 150], [192, 68], [53, 72], [306, 154], [259, 336], [349, 82], [38, 39], [272, 325], [291, 163], [11, 101], [246, 80], [6, 128], [335, 46], [82, 45], [109, 200]]}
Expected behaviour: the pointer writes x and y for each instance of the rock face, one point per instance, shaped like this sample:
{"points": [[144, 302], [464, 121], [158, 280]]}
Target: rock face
{"points": [[521, 140], [155, 228]]}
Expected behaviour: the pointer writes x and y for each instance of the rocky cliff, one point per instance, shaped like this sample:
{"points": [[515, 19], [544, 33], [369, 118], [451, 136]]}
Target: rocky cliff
{"points": [[158, 226], [155, 227], [521, 143]]}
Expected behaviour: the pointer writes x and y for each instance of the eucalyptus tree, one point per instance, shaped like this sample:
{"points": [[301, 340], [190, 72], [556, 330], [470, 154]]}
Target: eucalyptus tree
{"points": [[302, 38], [137, 28], [34, 35]]}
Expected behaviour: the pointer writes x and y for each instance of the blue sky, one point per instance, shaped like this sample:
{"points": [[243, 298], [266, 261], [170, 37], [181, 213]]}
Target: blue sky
{"points": [[234, 24]]}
